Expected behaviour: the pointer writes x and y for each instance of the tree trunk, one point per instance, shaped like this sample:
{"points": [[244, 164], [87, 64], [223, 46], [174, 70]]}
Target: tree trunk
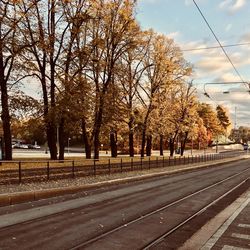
{"points": [[53, 128], [183, 143], [149, 145], [131, 143], [96, 144], [7, 149], [61, 139], [113, 144], [143, 142], [50, 128], [86, 140], [51, 137], [97, 128], [171, 146], [161, 145]]}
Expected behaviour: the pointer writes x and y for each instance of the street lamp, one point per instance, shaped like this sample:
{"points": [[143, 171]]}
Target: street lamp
{"points": [[68, 144], [247, 84]]}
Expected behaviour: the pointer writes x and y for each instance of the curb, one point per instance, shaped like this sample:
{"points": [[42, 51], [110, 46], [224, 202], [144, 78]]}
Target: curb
{"points": [[29, 196]]}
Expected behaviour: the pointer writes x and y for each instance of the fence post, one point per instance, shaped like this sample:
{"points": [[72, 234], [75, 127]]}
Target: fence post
{"points": [[163, 161], [149, 162], [20, 172], [169, 161], [121, 165], [47, 170], [73, 169], [141, 163], [132, 165]]}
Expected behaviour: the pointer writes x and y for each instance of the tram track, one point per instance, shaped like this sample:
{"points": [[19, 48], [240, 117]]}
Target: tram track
{"points": [[114, 231], [88, 243], [199, 212]]}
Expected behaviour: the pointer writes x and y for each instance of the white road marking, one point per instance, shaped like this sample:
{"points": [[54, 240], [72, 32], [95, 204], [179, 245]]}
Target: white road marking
{"points": [[244, 225], [226, 247], [241, 236]]}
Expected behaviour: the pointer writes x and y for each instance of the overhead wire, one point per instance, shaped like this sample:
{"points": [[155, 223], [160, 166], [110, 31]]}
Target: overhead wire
{"points": [[216, 47], [221, 46]]}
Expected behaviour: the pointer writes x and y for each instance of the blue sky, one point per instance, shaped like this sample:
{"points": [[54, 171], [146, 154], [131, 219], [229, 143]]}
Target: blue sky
{"points": [[230, 20]]}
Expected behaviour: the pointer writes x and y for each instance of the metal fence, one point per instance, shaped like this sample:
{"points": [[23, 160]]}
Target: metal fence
{"points": [[13, 172]]}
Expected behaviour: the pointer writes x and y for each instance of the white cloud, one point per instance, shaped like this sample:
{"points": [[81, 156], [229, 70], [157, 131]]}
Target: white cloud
{"points": [[227, 77], [225, 4], [238, 5], [173, 35], [232, 5]]}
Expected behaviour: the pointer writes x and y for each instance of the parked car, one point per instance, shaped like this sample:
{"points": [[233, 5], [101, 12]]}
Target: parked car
{"points": [[33, 146], [24, 146]]}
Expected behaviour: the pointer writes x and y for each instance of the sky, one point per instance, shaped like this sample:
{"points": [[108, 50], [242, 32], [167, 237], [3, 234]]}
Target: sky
{"points": [[230, 21]]}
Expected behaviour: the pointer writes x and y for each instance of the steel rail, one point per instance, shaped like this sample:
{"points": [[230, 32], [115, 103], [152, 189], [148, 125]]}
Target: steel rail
{"points": [[162, 237], [125, 225]]}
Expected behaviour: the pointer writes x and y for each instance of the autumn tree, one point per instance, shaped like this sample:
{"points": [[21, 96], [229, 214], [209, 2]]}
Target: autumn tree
{"points": [[168, 67], [68, 67], [159, 117], [11, 45], [176, 115], [39, 31], [185, 116], [130, 72], [223, 118], [110, 34], [210, 121], [51, 27], [240, 135]]}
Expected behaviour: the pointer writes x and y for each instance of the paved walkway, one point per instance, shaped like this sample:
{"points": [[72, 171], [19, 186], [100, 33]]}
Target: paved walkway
{"points": [[29, 153]]}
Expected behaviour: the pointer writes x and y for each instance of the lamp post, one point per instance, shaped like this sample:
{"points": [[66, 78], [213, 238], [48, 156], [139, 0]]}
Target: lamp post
{"points": [[68, 144], [217, 144]]}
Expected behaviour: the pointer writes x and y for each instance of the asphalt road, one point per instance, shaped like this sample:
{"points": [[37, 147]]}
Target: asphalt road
{"points": [[68, 222]]}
